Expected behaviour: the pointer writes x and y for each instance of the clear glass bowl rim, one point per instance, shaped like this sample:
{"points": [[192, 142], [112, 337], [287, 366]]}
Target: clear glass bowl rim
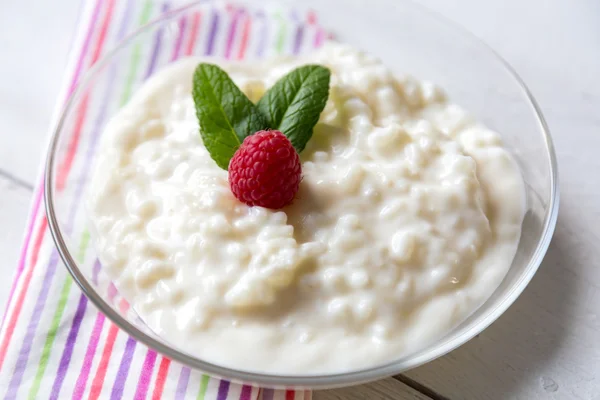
{"points": [[317, 380]]}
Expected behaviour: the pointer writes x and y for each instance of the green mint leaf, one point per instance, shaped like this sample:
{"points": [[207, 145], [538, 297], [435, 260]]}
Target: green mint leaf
{"points": [[294, 104], [226, 116]]}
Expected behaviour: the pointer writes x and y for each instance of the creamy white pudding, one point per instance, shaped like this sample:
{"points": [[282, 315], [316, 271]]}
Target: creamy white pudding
{"points": [[407, 219]]}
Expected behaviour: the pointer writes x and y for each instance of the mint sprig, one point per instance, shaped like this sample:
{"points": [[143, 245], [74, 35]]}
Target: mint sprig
{"points": [[226, 116], [294, 104]]}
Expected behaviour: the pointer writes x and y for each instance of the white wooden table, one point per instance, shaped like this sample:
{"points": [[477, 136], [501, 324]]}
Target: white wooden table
{"points": [[547, 345]]}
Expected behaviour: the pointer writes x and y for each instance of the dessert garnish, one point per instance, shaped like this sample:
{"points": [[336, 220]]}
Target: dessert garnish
{"points": [[259, 144]]}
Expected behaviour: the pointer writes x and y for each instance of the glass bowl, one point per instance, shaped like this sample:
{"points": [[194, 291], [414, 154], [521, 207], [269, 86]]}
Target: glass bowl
{"points": [[409, 39]]}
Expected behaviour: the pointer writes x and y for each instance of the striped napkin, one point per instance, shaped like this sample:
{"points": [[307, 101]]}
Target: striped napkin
{"points": [[53, 342]]}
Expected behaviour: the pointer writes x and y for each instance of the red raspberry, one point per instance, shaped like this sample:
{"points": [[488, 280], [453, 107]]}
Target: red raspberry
{"points": [[265, 171]]}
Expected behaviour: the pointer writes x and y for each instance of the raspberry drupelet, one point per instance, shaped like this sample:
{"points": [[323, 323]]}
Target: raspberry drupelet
{"points": [[265, 171]]}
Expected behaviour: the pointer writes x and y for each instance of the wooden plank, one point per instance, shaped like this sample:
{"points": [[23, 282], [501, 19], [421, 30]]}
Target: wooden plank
{"points": [[14, 206], [389, 388], [35, 64]]}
